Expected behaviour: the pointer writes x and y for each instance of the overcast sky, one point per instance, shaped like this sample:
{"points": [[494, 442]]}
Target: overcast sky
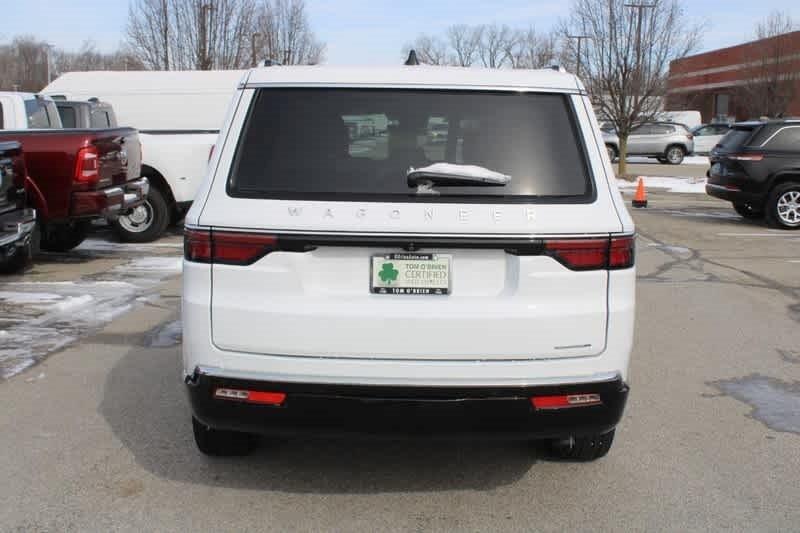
{"points": [[370, 32]]}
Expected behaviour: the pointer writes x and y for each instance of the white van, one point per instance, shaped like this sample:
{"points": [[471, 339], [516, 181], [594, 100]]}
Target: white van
{"points": [[384, 280], [178, 115]]}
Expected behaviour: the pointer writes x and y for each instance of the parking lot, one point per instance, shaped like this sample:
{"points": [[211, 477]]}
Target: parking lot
{"points": [[96, 433]]}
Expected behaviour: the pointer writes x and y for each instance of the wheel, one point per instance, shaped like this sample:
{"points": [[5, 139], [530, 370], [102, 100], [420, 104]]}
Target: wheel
{"points": [[222, 443], [63, 237], [586, 448], [674, 155], [783, 206], [612, 152], [662, 160], [147, 222], [747, 211]]}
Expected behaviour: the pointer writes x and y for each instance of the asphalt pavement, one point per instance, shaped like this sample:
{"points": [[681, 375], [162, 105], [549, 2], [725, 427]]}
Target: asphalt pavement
{"points": [[96, 436]]}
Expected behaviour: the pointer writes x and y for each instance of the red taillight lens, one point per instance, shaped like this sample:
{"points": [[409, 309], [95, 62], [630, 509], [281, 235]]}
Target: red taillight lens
{"points": [[230, 248], [565, 401], [87, 166], [592, 254], [251, 396]]}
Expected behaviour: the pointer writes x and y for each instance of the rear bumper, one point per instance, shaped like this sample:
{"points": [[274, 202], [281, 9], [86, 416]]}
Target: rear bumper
{"points": [[111, 201], [731, 193], [393, 411], [16, 228]]}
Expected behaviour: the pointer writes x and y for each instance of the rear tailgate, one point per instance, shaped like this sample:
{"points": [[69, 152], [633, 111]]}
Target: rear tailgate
{"points": [[508, 294], [119, 155]]}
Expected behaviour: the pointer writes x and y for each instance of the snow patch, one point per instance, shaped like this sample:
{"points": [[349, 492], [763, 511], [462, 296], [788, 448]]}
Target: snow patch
{"points": [[670, 184]]}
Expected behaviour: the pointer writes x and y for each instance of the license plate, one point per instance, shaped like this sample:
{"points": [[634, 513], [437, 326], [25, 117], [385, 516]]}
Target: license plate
{"points": [[410, 274]]}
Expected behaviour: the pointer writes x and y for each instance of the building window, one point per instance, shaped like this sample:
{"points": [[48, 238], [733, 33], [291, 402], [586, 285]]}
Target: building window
{"points": [[721, 105]]}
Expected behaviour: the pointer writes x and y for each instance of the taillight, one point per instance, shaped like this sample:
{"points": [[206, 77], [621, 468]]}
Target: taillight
{"points": [[229, 248], [87, 166], [746, 157], [592, 254]]}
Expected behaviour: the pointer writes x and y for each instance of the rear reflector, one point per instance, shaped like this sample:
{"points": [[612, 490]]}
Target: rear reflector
{"points": [[250, 396], [565, 401], [592, 254], [205, 246]]}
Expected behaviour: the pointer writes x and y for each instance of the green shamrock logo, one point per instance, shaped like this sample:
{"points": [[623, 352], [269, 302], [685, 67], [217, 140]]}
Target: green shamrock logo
{"points": [[388, 273]]}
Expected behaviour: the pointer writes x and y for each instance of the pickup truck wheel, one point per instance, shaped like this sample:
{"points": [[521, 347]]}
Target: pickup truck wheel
{"points": [[587, 448], [220, 442], [674, 155], [748, 211], [783, 206], [63, 237], [147, 222]]}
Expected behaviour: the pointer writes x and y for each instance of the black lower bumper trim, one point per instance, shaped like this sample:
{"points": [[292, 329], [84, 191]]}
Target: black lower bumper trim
{"points": [[341, 410]]}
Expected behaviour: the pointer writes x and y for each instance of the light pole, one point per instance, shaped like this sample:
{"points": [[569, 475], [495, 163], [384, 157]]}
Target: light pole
{"points": [[253, 38], [580, 39]]}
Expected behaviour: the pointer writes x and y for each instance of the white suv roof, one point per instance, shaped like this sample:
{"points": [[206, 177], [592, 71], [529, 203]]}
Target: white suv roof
{"points": [[416, 76]]}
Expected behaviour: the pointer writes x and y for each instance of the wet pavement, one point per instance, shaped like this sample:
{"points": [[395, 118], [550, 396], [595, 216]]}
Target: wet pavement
{"points": [[96, 435]]}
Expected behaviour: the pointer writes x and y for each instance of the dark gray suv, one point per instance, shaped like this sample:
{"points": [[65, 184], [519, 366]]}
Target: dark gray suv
{"points": [[668, 142]]}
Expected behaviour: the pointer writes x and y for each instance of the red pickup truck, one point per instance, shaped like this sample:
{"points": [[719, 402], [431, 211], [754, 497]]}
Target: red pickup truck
{"points": [[75, 175], [17, 220]]}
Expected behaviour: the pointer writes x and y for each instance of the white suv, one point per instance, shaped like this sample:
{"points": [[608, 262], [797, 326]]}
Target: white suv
{"points": [[348, 271]]}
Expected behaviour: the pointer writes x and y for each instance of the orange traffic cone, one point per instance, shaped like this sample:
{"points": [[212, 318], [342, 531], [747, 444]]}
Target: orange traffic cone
{"points": [[640, 198]]}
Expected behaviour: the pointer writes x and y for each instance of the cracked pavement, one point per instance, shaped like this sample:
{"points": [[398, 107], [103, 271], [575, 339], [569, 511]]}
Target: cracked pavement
{"points": [[97, 436]]}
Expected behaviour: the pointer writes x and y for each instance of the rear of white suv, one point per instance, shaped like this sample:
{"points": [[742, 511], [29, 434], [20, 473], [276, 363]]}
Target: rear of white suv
{"points": [[409, 251]]}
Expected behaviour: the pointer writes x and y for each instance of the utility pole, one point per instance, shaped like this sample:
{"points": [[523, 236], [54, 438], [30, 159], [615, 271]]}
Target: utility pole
{"points": [[580, 39], [287, 56], [165, 36], [254, 56], [205, 23], [47, 48]]}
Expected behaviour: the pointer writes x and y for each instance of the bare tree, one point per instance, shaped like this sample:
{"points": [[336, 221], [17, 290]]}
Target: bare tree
{"points": [[89, 58], [148, 32], [529, 49], [494, 45], [431, 50], [286, 35], [464, 41], [771, 81], [627, 55], [23, 64]]}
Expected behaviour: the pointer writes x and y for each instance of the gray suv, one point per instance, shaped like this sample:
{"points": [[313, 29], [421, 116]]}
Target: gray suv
{"points": [[666, 141]]}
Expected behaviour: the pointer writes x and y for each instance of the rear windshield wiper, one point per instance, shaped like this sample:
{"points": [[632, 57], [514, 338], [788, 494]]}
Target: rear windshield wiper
{"points": [[452, 175]]}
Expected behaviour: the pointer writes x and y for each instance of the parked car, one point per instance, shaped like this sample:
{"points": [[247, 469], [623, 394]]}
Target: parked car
{"points": [[668, 142], [756, 167], [178, 115], [24, 111], [706, 137], [488, 290], [74, 176], [91, 113], [17, 220]]}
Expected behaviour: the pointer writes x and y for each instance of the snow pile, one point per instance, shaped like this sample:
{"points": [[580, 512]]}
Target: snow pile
{"points": [[466, 171], [669, 184]]}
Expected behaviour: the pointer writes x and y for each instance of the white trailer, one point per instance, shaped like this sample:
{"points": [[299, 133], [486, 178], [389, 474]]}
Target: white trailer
{"points": [[178, 115]]}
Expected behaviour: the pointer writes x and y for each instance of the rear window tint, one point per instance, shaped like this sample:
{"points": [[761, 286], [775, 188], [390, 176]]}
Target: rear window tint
{"points": [[786, 140], [359, 144], [735, 138], [36, 110], [68, 119]]}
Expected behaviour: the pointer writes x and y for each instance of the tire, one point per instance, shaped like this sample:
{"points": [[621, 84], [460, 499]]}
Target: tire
{"points": [[147, 222], [63, 237], [674, 155], [662, 160], [783, 206], [747, 211], [222, 443], [582, 449], [612, 152]]}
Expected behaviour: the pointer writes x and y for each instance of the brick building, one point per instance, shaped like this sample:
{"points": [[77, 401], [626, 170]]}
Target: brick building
{"points": [[759, 78]]}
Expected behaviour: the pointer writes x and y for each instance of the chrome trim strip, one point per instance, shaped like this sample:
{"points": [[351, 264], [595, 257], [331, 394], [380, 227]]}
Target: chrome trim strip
{"points": [[520, 236], [216, 372]]}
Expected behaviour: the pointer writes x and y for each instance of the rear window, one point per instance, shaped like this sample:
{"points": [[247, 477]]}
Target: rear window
{"points": [[99, 119], [735, 138], [360, 144], [36, 110], [67, 114]]}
